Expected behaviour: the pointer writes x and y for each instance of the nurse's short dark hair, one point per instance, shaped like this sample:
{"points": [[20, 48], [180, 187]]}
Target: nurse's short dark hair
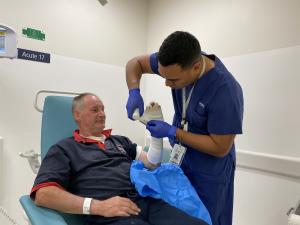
{"points": [[78, 101], [179, 48]]}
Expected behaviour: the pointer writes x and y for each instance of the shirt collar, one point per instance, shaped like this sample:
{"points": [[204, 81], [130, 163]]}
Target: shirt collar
{"points": [[80, 139]]}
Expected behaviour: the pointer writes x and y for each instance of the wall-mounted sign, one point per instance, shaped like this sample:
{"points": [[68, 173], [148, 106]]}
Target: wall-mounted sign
{"points": [[33, 55], [33, 33]]}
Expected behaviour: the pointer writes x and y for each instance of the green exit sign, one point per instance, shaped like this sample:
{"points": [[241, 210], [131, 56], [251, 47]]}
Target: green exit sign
{"points": [[33, 33]]}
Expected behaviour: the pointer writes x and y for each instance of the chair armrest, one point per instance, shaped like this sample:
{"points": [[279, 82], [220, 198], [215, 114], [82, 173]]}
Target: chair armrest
{"points": [[40, 215]]}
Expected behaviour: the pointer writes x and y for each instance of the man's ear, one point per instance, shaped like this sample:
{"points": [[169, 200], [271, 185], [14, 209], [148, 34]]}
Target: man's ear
{"points": [[76, 115], [197, 66]]}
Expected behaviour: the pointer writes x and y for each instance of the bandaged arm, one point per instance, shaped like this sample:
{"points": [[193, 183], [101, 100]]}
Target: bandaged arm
{"points": [[153, 157]]}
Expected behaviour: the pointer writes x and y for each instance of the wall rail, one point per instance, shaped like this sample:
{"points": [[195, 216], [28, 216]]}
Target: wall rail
{"points": [[275, 164], [271, 163]]}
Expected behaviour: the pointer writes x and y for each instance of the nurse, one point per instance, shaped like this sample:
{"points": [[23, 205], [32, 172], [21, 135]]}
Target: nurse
{"points": [[208, 103]]}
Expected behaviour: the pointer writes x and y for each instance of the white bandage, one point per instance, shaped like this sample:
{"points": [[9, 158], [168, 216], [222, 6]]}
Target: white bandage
{"points": [[154, 154], [139, 150], [152, 112], [86, 207], [136, 114]]}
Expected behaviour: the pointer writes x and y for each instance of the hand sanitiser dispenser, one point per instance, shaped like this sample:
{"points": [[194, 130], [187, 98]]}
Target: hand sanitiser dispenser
{"points": [[8, 42]]}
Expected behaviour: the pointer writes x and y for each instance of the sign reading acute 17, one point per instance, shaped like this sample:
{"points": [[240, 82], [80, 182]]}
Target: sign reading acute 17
{"points": [[33, 55]]}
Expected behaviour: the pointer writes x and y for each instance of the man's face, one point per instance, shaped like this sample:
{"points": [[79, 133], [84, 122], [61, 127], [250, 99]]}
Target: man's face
{"points": [[91, 118], [177, 77]]}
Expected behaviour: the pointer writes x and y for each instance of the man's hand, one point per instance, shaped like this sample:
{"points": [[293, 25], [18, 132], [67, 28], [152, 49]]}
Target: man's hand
{"points": [[115, 206], [134, 101], [161, 129]]}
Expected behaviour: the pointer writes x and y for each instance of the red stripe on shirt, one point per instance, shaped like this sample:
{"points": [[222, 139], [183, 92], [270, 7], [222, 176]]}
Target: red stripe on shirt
{"points": [[45, 184]]}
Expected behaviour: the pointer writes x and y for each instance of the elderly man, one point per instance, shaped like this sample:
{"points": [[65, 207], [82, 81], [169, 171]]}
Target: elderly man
{"points": [[88, 174]]}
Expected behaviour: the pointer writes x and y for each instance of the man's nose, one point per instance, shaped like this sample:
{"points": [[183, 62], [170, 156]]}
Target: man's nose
{"points": [[101, 113]]}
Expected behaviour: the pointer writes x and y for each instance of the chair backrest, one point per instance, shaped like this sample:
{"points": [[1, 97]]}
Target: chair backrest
{"points": [[57, 121]]}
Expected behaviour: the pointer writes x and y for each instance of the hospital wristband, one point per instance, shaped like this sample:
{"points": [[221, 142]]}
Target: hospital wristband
{"points": [[86, 207]]}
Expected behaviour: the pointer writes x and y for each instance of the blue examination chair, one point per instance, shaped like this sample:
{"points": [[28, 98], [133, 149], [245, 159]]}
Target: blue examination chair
{"points": [[57, 124]]}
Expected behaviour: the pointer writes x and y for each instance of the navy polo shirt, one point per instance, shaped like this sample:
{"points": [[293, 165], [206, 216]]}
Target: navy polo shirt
{"points": [[84, 169]]}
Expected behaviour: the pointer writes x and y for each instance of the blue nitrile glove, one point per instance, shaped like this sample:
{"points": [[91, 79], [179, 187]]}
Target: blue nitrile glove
{"points": [[172, 141], [134, 101], [160, 129]]}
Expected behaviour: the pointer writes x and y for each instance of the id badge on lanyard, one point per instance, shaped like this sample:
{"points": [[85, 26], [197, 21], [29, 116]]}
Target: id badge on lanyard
{"points": [[178, 151], [177, 154]]}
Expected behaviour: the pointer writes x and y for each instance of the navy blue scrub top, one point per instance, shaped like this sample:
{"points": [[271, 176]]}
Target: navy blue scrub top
{"points": [[216, 107]]}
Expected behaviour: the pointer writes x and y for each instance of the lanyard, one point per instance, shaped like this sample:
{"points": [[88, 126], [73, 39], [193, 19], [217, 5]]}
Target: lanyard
{"points": [[185, 102]]}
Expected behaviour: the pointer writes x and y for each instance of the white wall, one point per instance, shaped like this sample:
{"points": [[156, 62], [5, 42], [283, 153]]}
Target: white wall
{"points": [[263, 198], [259, 41], [74, 28], [271, 126], [270, 84], [227, 28], [122, 29], [81, 29], [1, 169], [224, 28], [21, 123]]}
